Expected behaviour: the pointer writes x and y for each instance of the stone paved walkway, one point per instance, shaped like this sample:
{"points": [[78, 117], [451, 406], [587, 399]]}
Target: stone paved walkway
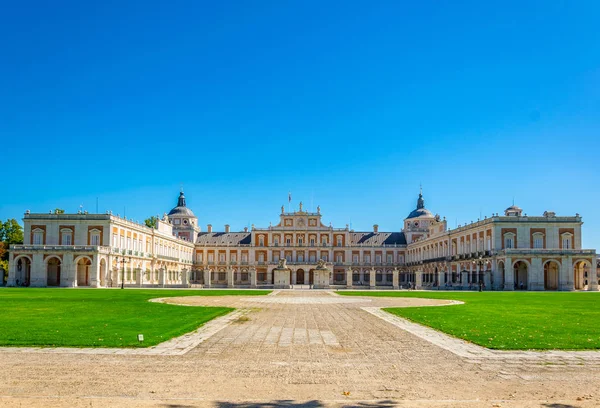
{"points": [[299, 350]]}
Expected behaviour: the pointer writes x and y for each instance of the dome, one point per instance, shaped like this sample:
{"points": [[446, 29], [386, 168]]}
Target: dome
{"points": [[181, 209], [513, 208], [421, 211]]}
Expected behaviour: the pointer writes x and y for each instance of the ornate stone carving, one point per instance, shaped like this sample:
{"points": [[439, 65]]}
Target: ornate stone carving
{"points": [[282, 264], [321, 264]]}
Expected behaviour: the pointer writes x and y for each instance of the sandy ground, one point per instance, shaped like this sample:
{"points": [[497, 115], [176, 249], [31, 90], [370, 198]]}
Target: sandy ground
{"points": [[297, 348]]}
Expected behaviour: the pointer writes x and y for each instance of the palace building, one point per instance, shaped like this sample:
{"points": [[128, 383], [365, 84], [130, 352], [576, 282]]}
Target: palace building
{"points": [[512, 251]]}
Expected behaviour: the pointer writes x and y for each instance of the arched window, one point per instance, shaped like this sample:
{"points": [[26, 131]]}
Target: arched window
{"points": [[94, 237], [538, 240], [509, 240], [66, 236], [567, 240], [38, 236]]}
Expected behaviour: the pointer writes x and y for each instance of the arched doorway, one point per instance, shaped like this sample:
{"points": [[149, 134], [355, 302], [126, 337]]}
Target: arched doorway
{"points": [[103, 272], [300, 277], [53, 267], [520, 271], [551, 269], [83, 271], [23, 275], [581, 270]]}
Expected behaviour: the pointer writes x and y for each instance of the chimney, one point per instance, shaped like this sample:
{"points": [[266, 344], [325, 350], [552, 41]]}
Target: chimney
{"points": [[375, 228], [209, 228], [245, 229], [227, 228]]}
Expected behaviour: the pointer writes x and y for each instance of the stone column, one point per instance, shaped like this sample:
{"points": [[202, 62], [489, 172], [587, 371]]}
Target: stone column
{"points": [[418, 279], [270, 277], [464, 278], [68, 270], [207, 282], [372, 279], [306, 276], [487, 280], [570, 276], [294, 279], [12, 270], [161, 277], [440, 278], [185, 278], [349, 278], [95, 271], [509, 275], [230, 277], [252, 272], [361, 276], [593, 277], [395, 281], [536, 275]]}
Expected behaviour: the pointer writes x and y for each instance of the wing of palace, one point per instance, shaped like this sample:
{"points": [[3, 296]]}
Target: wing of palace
{"points": [[512, 251]]}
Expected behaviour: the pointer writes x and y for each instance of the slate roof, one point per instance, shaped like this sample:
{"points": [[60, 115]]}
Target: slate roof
{"points": [[420, 212], [377, 238], [223, 238], [181, 211]]}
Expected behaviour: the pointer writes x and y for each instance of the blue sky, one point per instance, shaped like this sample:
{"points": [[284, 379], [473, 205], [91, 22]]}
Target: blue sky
{"points": [[349, 105]]}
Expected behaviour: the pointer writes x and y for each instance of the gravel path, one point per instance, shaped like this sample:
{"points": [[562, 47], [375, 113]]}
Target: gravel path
{"points": [[298, 348]]}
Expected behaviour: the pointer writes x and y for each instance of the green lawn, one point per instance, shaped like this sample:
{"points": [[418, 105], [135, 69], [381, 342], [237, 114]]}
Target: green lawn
{"points": [[510, 320], [100, 317]]}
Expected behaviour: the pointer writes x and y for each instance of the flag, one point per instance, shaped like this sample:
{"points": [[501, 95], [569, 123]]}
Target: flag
{"points": [[289, 197]]}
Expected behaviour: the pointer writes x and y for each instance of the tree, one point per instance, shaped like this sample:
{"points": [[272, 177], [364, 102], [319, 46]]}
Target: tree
{"points": [[151, 222], [11, 233]]}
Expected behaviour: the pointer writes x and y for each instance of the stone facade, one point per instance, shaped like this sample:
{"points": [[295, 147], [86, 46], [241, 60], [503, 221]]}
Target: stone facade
{"points": [[98, 250], [509, 252]]}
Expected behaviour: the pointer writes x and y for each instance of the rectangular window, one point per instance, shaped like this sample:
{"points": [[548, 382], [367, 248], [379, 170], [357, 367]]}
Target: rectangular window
{"points": [[566, 243], [38, 238], [67, 239], [95, 239], [390, 258], [508, 243], [355, 259], [538, 243]]}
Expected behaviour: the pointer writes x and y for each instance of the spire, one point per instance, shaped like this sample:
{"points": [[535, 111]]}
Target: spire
{"points": [[181, 200], [420, 201]]}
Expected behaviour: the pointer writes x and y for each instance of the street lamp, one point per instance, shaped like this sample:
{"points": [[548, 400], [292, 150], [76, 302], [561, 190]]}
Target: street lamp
{"points": [[480, 274], [123, 261]]}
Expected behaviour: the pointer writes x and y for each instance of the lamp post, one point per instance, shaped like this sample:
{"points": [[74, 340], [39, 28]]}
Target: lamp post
{"points": [[123, 261], [480, 274]]}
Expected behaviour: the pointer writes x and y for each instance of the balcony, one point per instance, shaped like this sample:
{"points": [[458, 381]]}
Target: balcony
{"points": [[72, 248]]}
